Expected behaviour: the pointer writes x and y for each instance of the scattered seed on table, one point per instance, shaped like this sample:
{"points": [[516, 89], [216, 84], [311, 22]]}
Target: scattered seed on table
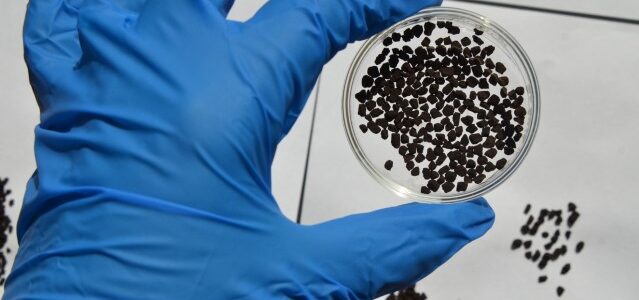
{"points": [[542, 279], [579, 247], [565, 269], [516, 244], [560, 291], [527, 209]]}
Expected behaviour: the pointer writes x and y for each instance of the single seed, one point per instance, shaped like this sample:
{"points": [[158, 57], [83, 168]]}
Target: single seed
{"points": [[429, 27], [433, 185], [477, 40], [465, 41], [415, 171], [565, 269], [425, 190], [363, 128], [367, 81], [503, 81], [542, 279], [475, 138], [560, 291], [448, 186], [501, 163], [527, 244], [580, 246], [462, 186], [516, 244], [480, 178], [388, 165], [499, 67]]}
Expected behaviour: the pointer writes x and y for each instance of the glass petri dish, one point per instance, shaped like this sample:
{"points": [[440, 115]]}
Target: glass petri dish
{"points": [[373, 151]]}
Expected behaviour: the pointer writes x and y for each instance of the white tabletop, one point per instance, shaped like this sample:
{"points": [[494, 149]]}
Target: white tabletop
{"points": [[584, 153]]}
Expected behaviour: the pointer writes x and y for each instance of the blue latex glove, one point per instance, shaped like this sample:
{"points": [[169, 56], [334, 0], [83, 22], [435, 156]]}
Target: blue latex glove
{"points": [[159, 123]]}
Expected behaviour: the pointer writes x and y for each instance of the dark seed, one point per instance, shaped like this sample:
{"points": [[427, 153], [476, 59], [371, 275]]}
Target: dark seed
{"points": [[480, 178], [395, 140], [373, 71], [499, 67], [542, 279], [491, 153], [448, 186], [572, 207], [425, 190], [477, 40], [580, 246], [503, 81], [560, 291], [572, 219], [433, 185], [565, 269], [462, 186], [429, 27], [388, 165], [501, 163], [516, 244], [367, 81], [475, 138], [363, 128]]}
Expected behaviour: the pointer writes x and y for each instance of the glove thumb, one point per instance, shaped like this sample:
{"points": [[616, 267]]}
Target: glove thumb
{"points": [[393, 248]]}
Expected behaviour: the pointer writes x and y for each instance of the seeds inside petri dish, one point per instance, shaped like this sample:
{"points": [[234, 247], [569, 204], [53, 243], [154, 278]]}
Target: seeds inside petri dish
{"points": [[441, 97]]}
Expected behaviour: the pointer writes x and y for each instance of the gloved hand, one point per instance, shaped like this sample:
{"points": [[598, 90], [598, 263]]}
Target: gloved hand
{"points": [[159, 123]]}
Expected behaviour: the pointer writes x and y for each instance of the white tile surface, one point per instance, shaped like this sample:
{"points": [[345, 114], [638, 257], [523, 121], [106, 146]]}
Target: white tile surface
{"points": [[618, 8], [584, 152]]}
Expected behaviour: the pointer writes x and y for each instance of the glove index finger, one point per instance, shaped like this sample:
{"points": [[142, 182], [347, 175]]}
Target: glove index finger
{"points": [[295, 38], [50, 32]]}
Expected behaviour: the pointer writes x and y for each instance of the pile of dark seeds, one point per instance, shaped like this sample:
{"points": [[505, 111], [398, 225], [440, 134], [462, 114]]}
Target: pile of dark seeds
{"points": [[444, 105], [5, 227], [407, 294], [546, 237]]}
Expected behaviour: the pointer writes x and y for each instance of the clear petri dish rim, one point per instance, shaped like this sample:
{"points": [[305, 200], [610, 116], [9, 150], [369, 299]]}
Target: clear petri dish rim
{"points": [[530, 77]]}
